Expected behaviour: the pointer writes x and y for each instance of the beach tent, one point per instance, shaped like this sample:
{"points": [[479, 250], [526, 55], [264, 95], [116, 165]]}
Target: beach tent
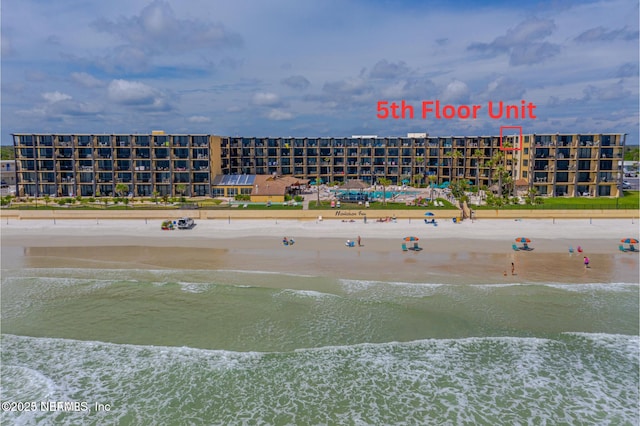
{"points": [[631, 242]]}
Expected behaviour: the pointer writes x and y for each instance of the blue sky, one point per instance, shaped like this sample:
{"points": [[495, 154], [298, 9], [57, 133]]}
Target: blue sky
{"points": [[315, 68]]}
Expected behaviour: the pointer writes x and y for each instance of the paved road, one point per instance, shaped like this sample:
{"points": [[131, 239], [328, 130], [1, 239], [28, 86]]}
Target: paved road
{"points": [[634, 182]]}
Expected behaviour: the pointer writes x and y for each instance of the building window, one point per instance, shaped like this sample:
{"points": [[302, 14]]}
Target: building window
{"points": [[218, 192], [525, 163], [232, 192], [526, 151], [524, 174]]}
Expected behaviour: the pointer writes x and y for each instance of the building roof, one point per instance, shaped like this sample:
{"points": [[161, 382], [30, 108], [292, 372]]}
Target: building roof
{"points": [[275, 185], [355, 184], [234, 180]]}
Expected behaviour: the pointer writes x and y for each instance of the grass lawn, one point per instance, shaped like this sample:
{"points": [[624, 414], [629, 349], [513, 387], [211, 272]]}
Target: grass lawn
{"points": [[630, 200]]}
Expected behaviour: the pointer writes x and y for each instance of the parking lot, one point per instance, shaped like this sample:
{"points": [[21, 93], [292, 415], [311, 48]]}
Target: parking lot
{"points": [[634, 183]]}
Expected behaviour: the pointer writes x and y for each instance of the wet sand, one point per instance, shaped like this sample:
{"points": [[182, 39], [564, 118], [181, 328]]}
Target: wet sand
{"points": [[466, 253], [377, 260]]}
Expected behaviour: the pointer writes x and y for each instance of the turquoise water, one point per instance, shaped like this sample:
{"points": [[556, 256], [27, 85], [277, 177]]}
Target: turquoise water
{"points": [[374, 195], [233, 347]]}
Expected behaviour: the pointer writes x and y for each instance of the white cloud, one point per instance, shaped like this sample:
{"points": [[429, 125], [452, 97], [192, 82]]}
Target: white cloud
{"points": [[456, 92], [53, 97], [503, 89], [135, 93], [86, 80], [158, 28], [266, 99], [198, 119], [279, 115]]}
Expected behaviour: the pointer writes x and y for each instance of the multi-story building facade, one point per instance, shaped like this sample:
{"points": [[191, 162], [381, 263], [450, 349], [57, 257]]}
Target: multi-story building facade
{"points": [[93, 165], [8, 175]]}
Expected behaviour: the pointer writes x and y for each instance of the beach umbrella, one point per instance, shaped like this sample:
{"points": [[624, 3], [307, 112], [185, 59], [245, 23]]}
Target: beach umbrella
{"points": [[411, 238], [429, 214], [629, 241], [522, 240]]}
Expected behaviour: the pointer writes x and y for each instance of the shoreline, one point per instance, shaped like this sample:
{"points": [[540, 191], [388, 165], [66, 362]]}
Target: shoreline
{"points": [[477, 252]]}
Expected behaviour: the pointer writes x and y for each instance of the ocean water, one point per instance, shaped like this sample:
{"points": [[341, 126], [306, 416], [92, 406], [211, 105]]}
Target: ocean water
{"points": [[236, 347]]}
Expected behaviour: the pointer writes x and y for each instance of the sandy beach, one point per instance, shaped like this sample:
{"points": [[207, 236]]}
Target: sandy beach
{"points": [[121, 312], [468, 252]]}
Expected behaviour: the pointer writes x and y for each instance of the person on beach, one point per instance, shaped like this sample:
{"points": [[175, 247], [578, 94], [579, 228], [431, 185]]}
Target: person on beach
{"points": [[359, 241], [513, 269], [586, 262]]}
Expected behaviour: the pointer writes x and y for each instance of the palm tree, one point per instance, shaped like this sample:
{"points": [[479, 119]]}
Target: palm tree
{"points": [[498, 164], [318, 182], [449, 155], [122, 189], [508, 145], [432, 179], [420, 163], [384, 182], [477, 154], [181, 188], [455, 156]]}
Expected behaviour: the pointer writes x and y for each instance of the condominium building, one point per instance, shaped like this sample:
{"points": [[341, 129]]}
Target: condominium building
{"points": [[93, 165]]}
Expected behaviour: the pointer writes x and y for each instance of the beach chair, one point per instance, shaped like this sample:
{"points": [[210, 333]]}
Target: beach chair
{"points": [[416, 247], [570, 250], [514, 247], [404, 247], [621, 248], [632, 248]]}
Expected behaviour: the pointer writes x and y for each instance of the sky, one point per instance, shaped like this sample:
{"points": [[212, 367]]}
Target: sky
{"points": [[317, 68]]}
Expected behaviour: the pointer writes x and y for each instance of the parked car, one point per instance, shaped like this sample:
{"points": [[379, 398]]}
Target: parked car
{"points": [[186, 223], [626, 185]]}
